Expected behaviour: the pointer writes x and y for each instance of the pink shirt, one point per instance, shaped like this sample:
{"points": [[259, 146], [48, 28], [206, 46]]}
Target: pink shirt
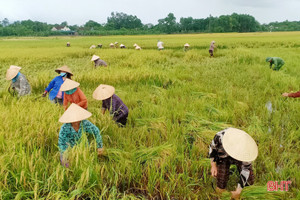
{"points": [[59, 94]]}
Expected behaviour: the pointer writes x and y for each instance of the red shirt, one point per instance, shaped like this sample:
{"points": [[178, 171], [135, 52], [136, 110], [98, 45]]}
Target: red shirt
{"points": [[77, 97], [294, 95]]}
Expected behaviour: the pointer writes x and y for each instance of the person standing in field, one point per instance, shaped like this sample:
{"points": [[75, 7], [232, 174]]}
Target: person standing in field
{"points": [[232, 146], [112, 103], [75, 124], [278, 62], [55, 94], [211, 48], [73, 94], [68, 44], [186, 47], [160, 45], [19, 82], [98, 61]]}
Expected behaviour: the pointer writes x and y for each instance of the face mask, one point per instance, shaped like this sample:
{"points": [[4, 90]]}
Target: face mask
{"points": [[63, 74], [71, 91], [16, 78]]}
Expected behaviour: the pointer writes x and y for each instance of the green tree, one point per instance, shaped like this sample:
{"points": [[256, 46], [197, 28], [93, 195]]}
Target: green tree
{"points": [[122, 20], [168, 24]]}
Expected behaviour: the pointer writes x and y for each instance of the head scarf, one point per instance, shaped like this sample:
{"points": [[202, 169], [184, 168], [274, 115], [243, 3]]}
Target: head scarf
{"points": [[16, 78], [71, 91]]}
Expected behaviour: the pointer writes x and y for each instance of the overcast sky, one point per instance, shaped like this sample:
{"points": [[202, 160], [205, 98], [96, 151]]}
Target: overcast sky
{"points": [[149, 11]]}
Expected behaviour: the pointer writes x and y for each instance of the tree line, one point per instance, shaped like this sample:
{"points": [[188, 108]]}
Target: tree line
{"points": [[124, 24]]}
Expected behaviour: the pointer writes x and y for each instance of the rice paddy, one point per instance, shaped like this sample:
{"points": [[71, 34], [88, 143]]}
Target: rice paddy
{"points": [[177, 102]]}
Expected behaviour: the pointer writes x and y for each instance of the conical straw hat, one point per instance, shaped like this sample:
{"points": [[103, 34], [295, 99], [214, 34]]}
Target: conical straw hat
{"points": [[11, 73], [116, 42], [64, 68], [74, 114], [186, 45], [239, 145], [69, 85], [138, 48], [95, 58], [15, 67], [135, 45], [122, 45], [111, 44], [103, 92]]}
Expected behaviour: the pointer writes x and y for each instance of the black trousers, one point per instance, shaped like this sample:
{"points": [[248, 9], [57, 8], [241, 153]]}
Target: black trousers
{"points": [[122, 121]]}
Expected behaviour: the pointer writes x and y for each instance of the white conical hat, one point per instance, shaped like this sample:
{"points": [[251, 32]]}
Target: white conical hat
{"points": [[103, 92], [122, 45], [11, 73], [95, 58], [64, 68], [186, 45], [69, 85], [74, 114], [239, 145], [135, 45], [116, 42], [138, 48], [93, 46], [15, 67], [111, 44]]}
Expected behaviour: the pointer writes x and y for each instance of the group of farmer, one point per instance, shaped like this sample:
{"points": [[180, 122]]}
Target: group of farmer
{"points": [[229, 146], [64, 91]]}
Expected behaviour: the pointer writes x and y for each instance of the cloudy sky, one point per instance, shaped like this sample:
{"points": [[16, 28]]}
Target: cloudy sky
{"points": [[149, 11]]}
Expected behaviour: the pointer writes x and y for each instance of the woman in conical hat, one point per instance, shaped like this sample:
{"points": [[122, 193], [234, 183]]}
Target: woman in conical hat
{"points": [[98, 61], [186, 47], [55, 94], [160, 45], [73, 94], [75, 123], [19, 82], [232, 146], [122, 46], [112, 103], [111, 45]]}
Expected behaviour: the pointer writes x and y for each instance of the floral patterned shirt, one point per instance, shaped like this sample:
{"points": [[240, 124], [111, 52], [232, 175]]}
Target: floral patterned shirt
{"points": [[68, 137]]}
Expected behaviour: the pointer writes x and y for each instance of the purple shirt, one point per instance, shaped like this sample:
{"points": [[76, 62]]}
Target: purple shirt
{"points": [[116, 107]]}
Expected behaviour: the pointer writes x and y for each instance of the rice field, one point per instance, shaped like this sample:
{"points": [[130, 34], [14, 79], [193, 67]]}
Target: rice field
{"points": [[177, 102]]}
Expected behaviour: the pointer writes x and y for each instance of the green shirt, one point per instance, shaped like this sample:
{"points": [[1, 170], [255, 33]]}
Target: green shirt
{"points": [[69, 137], [278, 62]]}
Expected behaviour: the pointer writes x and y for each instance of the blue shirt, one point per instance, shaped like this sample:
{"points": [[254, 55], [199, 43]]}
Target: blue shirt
{"points": [[54, 86], [69, 137]]}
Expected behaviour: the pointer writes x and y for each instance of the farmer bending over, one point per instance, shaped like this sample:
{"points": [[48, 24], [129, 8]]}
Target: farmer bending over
{"points": [[278, 62], [73, 94], [112, 102], [55, 94], [19, 82], [75, 123], [232, 146], [98, 61]]}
